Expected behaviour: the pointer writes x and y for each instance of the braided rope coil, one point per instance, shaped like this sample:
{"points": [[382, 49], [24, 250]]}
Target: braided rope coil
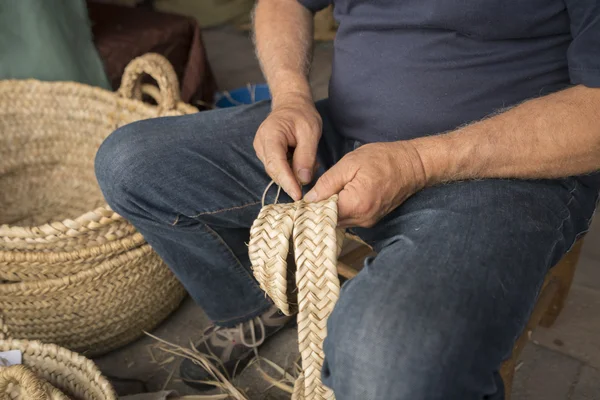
{"points": [[50, 372], [316, 246], [18, 382]]}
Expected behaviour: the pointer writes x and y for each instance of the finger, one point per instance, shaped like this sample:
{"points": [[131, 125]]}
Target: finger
{"points": [[305, 156], [278, 168], [331, 182]]}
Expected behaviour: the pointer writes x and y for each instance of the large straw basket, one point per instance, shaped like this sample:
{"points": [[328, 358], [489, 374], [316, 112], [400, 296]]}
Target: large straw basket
{"points": [[72, 271], [50, 372]]}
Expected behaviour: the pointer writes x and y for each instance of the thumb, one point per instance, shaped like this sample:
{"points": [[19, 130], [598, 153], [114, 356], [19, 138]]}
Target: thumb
{"points": [[330, 183], [305, 155]]}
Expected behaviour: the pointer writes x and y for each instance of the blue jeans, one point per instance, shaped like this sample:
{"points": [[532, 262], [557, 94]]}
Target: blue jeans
{"points": [[432, 316]]}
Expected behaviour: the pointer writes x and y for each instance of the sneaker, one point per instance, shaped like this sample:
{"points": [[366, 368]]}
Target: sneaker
{"points": [[233, 348]]}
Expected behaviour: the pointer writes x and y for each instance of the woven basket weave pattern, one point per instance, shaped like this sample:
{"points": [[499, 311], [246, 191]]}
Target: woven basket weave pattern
{"points": [[72, 271]]}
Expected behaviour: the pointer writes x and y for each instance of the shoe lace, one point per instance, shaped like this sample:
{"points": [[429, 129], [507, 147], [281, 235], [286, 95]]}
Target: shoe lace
{"points": [[251, 342]]}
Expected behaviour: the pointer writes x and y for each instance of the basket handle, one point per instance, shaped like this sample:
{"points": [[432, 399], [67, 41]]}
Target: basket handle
{"points": [[32, 387], [153, 92], [159, 68]]}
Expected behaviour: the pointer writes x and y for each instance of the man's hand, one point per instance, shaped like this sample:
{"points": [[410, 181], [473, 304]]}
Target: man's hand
{"points": [[293, 123], [371, 182]]}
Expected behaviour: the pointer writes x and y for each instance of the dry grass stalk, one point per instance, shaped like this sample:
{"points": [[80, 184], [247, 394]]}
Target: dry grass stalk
{"points": [[284, 382], [281, 378], [219, 379]]}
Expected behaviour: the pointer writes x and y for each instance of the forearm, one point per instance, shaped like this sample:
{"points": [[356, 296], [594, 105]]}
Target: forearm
{"points": [[553, 136], [283, 38]]}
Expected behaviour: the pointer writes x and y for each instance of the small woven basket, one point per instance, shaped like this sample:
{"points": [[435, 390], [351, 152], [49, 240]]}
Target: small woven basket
{"points": [[50, 372], [72, 271]]}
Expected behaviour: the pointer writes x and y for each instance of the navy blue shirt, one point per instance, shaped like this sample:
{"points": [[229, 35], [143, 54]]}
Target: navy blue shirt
{"points": [[409, 68]]}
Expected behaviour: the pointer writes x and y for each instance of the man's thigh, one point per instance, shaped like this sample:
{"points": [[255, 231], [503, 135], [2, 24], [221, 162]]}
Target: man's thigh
{"points": [[194, 167], [457, 273]]}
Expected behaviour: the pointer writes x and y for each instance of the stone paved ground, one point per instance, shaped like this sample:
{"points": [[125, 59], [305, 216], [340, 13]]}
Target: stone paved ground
{"points": [[562, 363]]}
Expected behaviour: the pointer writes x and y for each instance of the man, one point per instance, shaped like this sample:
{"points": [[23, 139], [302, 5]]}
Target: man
{"points": [[458, 136]]}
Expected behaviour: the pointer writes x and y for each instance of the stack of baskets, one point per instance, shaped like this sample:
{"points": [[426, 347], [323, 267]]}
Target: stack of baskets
{"points": [[72, 271]]}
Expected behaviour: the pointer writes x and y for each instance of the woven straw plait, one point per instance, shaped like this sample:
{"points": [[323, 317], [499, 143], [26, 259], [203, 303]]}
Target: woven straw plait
{"points": [[316, 245], [72, 271], [50, 372]]}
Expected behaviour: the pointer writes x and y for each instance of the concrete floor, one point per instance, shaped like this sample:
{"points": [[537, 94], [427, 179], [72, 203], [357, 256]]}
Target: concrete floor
{"points": [[562, 363]]}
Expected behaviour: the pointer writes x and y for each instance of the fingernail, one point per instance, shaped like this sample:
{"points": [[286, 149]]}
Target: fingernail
{"points": [[310, 196], [296, 196], [304, 175]]}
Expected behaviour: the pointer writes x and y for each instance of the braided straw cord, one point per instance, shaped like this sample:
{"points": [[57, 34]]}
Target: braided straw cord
{"points": [[50, 371], [72, 271], [316, 248], [317, 244], [18, 382], [268, 250]]}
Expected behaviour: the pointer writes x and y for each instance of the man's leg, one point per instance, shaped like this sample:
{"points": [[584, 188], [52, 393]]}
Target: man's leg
{"points": [[192, 186], [458, 269]]}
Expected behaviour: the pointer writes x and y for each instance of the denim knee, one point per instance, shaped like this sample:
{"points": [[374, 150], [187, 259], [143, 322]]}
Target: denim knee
{"points": [[116, 162], [381, 347]]}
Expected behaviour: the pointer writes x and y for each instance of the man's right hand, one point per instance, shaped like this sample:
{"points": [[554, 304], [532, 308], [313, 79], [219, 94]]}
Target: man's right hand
{"points": [[294, 123]]}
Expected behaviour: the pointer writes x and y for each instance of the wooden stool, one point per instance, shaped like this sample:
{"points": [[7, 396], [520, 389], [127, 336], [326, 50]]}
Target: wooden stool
{"points": [[549, 304]]}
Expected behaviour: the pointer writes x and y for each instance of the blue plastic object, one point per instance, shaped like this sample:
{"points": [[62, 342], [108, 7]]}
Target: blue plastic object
{"points": [[245, 95]]}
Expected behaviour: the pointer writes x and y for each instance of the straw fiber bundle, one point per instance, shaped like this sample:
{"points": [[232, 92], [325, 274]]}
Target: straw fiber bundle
{"points": [[50, 372], [72, 271], [317, 244]]}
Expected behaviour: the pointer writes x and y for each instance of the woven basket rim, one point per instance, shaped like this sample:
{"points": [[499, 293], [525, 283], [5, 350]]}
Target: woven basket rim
{"points": [[61, 88], [26, 255], [71, 280], [38, 231]]}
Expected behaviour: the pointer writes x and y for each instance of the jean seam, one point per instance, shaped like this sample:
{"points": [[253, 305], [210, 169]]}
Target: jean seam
{"points": [[217, 321], [562, 223], [223, 210], [240, 268], [588, 223]]}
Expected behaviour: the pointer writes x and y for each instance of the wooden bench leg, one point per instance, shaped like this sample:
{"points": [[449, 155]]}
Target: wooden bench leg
{"points": [[548, 306], [547, 296], [508, 373], [563, 274]]}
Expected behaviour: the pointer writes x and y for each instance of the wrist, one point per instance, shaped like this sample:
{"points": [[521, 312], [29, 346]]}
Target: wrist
{"points": [[433, 153], [290, 88], [452, 156], [291, 99]]}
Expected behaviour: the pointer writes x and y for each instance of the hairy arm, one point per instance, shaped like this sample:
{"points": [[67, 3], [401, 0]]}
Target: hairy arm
{"points": [[549, 137], [553, 136], [283, 39]]}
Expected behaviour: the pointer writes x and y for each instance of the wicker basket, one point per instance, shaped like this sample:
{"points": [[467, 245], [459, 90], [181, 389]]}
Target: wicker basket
{"points": [[50, 372], [72, 271]]}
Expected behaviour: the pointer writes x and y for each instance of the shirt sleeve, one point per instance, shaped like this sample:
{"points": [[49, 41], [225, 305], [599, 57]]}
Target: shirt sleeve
{"points": [[584, 51], [316, 5]]}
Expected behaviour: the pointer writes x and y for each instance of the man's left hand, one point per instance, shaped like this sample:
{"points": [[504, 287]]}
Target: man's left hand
{"points": [[371, 181]]}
